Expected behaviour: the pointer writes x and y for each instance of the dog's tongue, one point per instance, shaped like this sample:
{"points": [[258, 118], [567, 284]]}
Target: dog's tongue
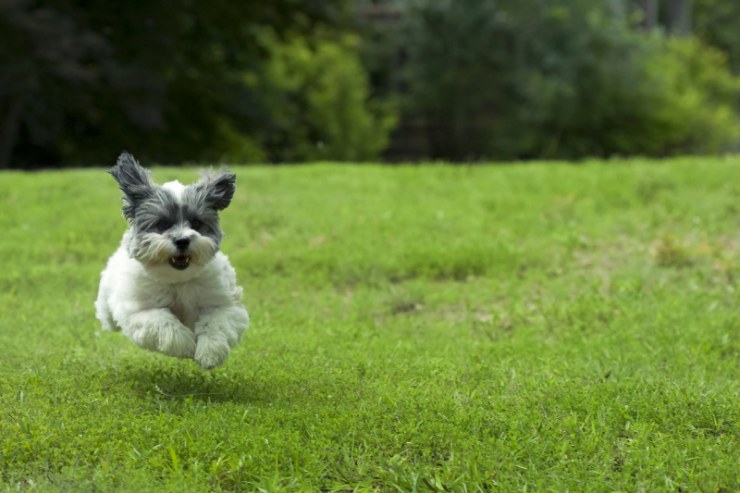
{"points": [[180, 262]]}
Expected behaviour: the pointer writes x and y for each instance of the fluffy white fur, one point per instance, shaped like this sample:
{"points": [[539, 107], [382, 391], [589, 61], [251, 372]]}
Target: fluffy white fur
{"points": [[187, 314], [193, 313]]}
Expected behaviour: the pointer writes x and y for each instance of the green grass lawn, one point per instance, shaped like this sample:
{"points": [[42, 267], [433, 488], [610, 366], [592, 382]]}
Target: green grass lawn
{"points": [[542, 327]]}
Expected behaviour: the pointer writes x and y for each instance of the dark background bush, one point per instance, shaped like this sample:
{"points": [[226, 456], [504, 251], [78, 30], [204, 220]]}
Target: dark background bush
{"points": [[291, 81]]}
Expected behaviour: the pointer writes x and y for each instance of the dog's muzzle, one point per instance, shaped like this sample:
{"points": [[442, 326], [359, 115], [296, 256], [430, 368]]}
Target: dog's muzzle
{"points": [[181, 261]]}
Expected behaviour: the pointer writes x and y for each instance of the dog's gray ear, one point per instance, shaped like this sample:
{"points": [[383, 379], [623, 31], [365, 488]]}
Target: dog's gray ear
{"points": [[218, 188], [135, 183]]}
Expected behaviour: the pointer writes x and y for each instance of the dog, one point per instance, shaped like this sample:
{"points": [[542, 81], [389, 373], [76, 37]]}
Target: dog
{"points": [[168, 287]]}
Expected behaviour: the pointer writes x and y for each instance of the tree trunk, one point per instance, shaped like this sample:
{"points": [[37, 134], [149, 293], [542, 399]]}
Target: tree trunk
{"points": [[679, 17], [9, 131], [650, 11]]}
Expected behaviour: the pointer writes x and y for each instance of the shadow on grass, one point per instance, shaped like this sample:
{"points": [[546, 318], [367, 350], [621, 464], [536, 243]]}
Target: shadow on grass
{"points": [[183, 381]]}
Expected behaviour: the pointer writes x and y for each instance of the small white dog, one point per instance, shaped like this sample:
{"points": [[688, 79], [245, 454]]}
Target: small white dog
{"points": [[168, 287]]}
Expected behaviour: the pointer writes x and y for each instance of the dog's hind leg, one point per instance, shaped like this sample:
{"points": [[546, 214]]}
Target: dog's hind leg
{"points": [[102, 312]]}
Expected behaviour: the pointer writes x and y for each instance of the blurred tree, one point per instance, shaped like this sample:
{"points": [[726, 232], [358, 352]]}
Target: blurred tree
{"points": [[716, 23], [679, 17], [650, 13], [315, 102], [80, 80], [713, 21], [674, 15], [561, 79]]}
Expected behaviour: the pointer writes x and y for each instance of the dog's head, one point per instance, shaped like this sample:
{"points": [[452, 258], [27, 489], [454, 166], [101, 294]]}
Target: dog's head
{"points": [[172, 225]]}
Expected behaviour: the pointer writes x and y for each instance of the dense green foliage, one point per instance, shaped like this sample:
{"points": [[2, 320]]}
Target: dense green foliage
{"points": [[315, 104], [281, 81], [546, 327], [715, 22], [79, 81], [565, 78]]}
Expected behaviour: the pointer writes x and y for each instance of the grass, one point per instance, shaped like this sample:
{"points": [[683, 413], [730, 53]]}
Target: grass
{"points": [[546, 327]]}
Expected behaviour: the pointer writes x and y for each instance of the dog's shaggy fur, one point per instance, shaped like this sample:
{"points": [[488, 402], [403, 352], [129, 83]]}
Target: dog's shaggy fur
{"points": [[168, 287]]}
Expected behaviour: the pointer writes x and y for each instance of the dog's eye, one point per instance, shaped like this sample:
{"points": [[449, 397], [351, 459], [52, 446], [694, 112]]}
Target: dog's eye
{"points": [[163, 225], [196, 224]]}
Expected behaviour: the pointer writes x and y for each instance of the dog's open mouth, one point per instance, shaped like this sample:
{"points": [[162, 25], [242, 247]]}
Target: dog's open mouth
{"points": [[180, 262]]}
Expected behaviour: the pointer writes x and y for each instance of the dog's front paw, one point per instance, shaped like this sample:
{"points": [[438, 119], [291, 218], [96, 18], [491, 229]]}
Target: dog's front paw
{"points": [[211, 351], [180, 345], [167, 339]]}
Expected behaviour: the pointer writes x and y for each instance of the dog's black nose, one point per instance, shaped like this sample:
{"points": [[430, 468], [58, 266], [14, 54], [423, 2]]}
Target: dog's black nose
{"points": [[182, 243]]}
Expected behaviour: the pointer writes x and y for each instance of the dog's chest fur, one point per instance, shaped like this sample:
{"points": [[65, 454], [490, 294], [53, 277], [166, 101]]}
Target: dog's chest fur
{"points": [[185, 304], [188, 300]]}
